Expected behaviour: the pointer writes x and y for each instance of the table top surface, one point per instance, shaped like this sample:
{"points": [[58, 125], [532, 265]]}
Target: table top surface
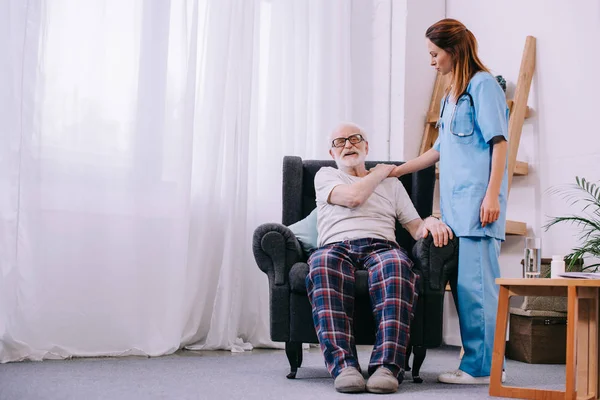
{"points": [[548, 282]]}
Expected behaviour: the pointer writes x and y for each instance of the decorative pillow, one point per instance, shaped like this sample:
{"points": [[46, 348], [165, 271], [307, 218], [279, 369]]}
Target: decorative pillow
{"points": [[306, 231]]}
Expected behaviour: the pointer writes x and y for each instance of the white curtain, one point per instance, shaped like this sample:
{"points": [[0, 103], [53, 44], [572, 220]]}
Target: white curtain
{"points": [[306, 87], [140, 145]]}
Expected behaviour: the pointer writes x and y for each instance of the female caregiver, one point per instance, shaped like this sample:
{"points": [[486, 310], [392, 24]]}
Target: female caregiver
{"points": [[471, 148]]}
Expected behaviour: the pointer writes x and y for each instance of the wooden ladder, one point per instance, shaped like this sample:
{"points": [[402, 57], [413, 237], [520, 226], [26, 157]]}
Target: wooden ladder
{"points": [[518, 112]]}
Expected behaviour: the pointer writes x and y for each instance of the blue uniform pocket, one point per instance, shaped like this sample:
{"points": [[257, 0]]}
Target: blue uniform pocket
{"points": [[462, 125], [466, 203]]}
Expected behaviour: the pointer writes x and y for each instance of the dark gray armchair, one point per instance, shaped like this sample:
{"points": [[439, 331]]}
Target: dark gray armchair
{"points": [[279, 255]]}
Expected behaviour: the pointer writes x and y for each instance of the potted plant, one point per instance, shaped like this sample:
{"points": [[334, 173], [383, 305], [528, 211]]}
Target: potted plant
{"points": [[588, 220]]}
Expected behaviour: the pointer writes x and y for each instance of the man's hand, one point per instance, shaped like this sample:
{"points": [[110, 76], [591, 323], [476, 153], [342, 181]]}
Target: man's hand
{"points": [[440, 231], [383, 169], [490, 210]]}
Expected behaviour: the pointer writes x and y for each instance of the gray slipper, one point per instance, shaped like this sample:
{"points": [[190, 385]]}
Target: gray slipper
{"points": [[350, 381], [382, 381]]}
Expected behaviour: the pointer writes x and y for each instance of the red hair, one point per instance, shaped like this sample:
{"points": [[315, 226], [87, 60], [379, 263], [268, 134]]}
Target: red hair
{"points": [[453, 37]]}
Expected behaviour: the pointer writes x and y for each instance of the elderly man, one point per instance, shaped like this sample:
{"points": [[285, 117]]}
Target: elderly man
{"points": [[357, 212]]}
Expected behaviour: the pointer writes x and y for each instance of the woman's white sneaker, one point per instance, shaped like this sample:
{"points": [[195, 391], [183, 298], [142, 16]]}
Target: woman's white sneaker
{"points": [[462, 378]]}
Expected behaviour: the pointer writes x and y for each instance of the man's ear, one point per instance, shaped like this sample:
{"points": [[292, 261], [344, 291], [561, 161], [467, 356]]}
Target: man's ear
{"points": [[331, 154], [367, 147]]}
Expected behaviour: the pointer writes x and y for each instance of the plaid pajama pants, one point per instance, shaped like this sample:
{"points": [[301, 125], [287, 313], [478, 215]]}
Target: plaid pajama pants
{"points": [[392, 289]]}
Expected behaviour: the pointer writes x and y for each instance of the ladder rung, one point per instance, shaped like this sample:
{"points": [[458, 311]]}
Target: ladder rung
{"points": [[521, 169], [432, 117], [510, 103], [512, 227]]}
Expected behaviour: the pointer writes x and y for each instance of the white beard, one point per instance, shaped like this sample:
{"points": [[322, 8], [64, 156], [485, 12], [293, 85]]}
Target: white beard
{"points": [[345, 162]]}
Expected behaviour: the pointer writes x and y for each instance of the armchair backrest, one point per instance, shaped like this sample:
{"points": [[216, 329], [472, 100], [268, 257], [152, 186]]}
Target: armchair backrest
{"points": [[299, 191]]}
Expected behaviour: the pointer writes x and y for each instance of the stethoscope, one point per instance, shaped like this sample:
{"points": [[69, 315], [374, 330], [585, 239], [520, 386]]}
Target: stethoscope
{"points": [[458, 100]]}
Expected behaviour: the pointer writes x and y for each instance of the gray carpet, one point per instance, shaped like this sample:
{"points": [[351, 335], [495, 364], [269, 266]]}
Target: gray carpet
{"points": [[259, 374]]}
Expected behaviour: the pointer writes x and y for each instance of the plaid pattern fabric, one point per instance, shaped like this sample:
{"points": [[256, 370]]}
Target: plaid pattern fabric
{"points": [[392, 288]]}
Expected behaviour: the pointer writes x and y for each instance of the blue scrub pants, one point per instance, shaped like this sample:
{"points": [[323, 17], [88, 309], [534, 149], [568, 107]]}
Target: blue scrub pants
{"points": [[478, 268]]}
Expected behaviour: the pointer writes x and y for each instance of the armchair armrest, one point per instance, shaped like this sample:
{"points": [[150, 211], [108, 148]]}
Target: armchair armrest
{"points": [[436, 264], [276, 249]]}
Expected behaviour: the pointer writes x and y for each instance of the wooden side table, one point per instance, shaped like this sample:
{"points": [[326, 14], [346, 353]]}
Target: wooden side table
{"points": [[582, 336]]}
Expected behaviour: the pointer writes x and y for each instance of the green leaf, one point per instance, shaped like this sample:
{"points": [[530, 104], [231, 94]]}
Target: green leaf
{"points": [[587, 220]]}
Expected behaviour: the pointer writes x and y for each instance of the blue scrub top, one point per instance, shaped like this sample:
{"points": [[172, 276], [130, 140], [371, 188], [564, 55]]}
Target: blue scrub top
{"points": [[466, 156]]}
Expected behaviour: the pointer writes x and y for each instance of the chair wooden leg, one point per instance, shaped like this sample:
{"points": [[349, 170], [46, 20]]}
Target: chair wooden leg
{"points": [[418, 358], [293, 351], [300, 356], [407, 358], [354, 351]]}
